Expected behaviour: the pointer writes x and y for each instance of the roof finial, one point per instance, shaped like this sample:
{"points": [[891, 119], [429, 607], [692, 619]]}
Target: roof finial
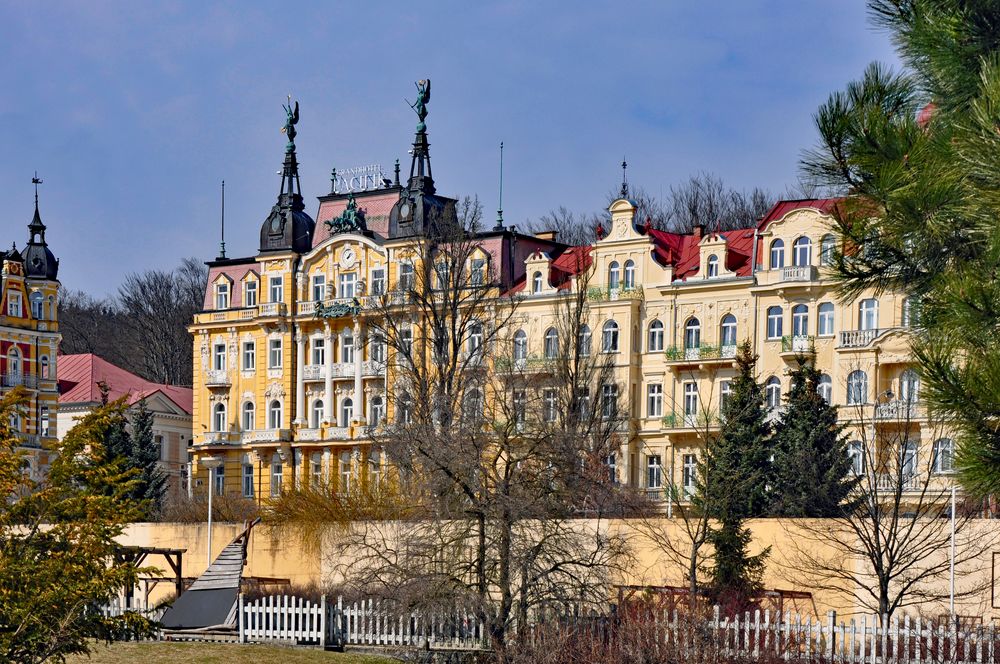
{"points": [[36, 181], [499, 226], [624, 191], [36, 228], [333, 181], [222, 243], [420, 166]]}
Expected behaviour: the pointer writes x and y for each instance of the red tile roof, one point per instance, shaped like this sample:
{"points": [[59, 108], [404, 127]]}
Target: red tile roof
{"points": [[79, 375], [375, 207], [235, 272], [781, 208]]}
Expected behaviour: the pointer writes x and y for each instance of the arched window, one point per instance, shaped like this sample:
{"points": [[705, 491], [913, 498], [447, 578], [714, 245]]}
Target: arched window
{"points": [[772, 392], [825, 388], [317, 414], [713, 266], [728, 332], [346, 411], [655, 341], [219, 417], [609, 341], [347, 346], [825, 314], [37, 305], [551, 344], [536, 282], [614, 276], [376, 411], [274, 415], [777, 255], [944, 455], [827, 249], [520, 345], [909, 386], [583, 340], [868, 314], [775, 319], [14, 362], [857, 387], [44, 362], [249, 416], [800, 320], [856, 453], [629, 274], [692, 334], [802, 252]]}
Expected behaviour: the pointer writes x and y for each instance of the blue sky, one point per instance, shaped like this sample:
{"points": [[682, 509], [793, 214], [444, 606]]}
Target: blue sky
{"points": [[133, 112]]}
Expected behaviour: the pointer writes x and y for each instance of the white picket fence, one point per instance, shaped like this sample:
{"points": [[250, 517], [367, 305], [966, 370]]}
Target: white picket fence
{"points": [[864, 640], [119, 606]]}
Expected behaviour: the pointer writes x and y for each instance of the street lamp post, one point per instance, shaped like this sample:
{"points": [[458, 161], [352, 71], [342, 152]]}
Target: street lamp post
{"points": [[211, 463]]}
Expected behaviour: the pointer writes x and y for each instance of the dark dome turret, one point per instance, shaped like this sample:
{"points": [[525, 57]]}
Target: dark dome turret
{"points": [[39, 261]]}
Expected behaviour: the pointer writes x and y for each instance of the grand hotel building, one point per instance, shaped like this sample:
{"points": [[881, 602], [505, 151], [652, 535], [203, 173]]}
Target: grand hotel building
{"points": [[285, 398]]}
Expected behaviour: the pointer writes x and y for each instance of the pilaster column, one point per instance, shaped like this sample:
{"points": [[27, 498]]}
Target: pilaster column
{"points": [[328, 376], [358, 392], [300, 382]]}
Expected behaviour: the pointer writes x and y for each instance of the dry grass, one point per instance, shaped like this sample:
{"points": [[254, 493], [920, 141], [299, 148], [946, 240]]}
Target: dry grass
{"points": [[160, 652]]}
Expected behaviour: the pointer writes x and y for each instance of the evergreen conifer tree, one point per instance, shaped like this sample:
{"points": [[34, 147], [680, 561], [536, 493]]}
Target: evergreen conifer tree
{"points": [[811, 466]]}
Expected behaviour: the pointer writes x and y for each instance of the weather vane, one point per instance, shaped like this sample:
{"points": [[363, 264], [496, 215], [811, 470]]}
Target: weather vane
{"points": [[36, 181]]}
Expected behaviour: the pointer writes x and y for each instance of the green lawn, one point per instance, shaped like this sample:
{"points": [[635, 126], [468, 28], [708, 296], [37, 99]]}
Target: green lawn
{"points": [[161, 652]]}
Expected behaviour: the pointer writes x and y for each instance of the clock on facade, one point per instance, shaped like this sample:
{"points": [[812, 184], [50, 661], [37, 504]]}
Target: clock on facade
{"points": [[347, 257]]}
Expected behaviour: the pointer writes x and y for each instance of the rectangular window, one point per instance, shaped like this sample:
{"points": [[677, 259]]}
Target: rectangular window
{"points": [[318, 350], [319, 287], [654, 400], [345, 472], [405, 276], [519, 409], [443, 271], [161, 452], [276, 473], [825, 325], [250, 293], [550, 405], [774, 322], [406, 340], [248, 480], [377, 351], [347, 347], [277, 289], [249, 355], [690, 401], [43, 421], [725, 391], [345, 285], [689, 474], [219, 357], [14, 304], [38, 314], [612, 464], [220, 481], [609, 401], [478, 276], [378, 281], [274, 354], [654, 472], [222, 295]]}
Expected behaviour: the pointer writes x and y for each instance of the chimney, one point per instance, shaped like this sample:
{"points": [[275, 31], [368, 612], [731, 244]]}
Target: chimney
{"points": [[547, 235], [699, 230]]}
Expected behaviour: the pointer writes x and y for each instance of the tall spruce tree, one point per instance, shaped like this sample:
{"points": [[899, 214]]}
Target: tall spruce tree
{"points": [[131, 441], [812, 472], [917, 156], [734, 476]]}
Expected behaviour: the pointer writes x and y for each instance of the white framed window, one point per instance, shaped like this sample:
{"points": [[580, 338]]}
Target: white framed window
{"points": [[346, 411], [477, 275], [376, 411], [906, 315], [909, 386], [318, 350], [274, 415], [378, 281], [219, 417], [611, 462], [250, 293], [654, 472], [802, 252], [868, 314], [248, 480], [654, 343], [614, 276], [249, 355], [713, 266], [520, 345], [944, 456], [689, 474], [443, 272], [690, 401], [856, 453], [44, 365], [536, 282], [654, 400], [550, 404], [825, 388], [277, 470], [610, 337], [908, 460], [377, 349], [14, 362], [475, 340], [519, 403], [609, 401], [827, 249], [775, 319], [728, 331], [583, 340], [316, 471], [772, 393], [222, 295], [347, 346], [43, 421], [318, 287], [777, 255], [375, 468], [37, 306], [404, 409], [219, 357], [220, 480], [346, 472], [249, 416], [406, 339], [406, 276], [725, 392], [629, 275], [277, 289], [825, 315], [347, 284], [800, 320], [692, 333], [274, 354], [551, 346], [13, 304], [316, 421], [857, 387]]}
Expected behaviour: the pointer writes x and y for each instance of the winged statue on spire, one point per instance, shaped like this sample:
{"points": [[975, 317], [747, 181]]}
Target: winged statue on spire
{"points": [[420, 105], [291, 119]]}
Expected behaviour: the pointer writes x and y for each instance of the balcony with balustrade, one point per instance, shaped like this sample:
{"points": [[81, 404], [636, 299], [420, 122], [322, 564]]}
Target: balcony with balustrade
{"points": [[29, 440], [19, 380], [614, 294], [703, 354], [226, 315], [899, 410], [314, 373], [850, 339], [273, 310], [794, 273], [797, 345], [217, 378], [266, 436], [679, 422]]}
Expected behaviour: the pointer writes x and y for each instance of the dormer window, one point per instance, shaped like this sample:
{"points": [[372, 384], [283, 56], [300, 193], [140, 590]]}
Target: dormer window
{"points": [[250, 293], [629, 275], [713, 266], [614, 275], [477, 275], [14, 304], [777, 255], [222, 295], [536, 283]]}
